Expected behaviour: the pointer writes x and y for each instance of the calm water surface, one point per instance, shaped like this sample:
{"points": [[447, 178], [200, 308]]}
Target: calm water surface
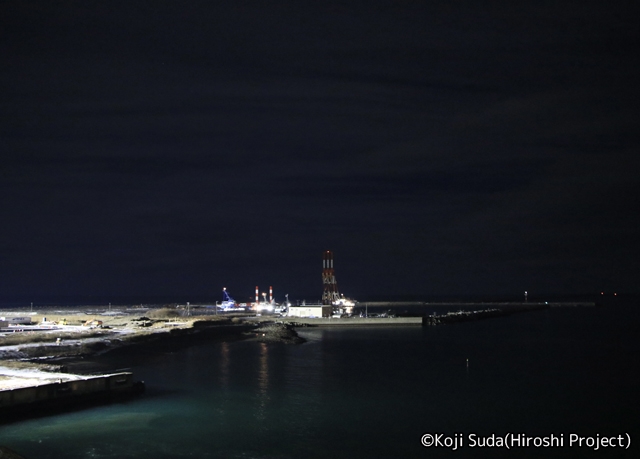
{"points": [[368, 392]]}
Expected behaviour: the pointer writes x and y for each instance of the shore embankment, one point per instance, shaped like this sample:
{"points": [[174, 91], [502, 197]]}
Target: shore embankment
{"points": [[65, 336], [42, 363], [38, 345]]}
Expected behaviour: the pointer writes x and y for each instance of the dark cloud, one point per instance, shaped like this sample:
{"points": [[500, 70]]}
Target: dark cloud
{"points": [[437, 148]]}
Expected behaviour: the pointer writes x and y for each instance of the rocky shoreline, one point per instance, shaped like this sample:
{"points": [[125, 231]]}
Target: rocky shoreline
{"points": [[277, 332], [78, 352]]}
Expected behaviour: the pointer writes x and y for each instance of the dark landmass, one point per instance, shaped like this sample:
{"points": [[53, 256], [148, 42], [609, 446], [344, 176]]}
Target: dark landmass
{"points": [[79, 351]]}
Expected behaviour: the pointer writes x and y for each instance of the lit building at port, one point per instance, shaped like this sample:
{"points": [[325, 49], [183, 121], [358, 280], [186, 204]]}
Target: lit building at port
{"points": [[310, 310]]}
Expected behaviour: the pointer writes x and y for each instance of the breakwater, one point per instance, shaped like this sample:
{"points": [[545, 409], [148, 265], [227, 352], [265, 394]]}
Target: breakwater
{"points": [[466, 316], [52, 396], [478, 304], [352, 321]]}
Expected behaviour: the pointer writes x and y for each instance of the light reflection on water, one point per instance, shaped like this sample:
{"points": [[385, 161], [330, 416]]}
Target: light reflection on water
{"points": [[225, 362], [358, 393], [263, 387]]}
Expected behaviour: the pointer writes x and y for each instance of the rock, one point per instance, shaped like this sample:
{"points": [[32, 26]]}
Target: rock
{"points": [[277, 333]]}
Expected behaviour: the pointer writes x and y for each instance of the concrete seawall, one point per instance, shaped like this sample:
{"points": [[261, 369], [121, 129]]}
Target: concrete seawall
{"points": [[29, 399]]}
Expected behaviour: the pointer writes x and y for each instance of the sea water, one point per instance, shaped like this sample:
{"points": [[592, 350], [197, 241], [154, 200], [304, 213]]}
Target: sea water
{"points": [[370, 392]]}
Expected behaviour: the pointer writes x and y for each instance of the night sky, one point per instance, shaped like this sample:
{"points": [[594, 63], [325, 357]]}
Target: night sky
{"points": [[441, 147]]}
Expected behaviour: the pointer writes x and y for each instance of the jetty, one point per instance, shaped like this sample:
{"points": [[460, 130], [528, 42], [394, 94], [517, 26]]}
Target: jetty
{"points": [[25, 393], [477, 304], [466, 316]]}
